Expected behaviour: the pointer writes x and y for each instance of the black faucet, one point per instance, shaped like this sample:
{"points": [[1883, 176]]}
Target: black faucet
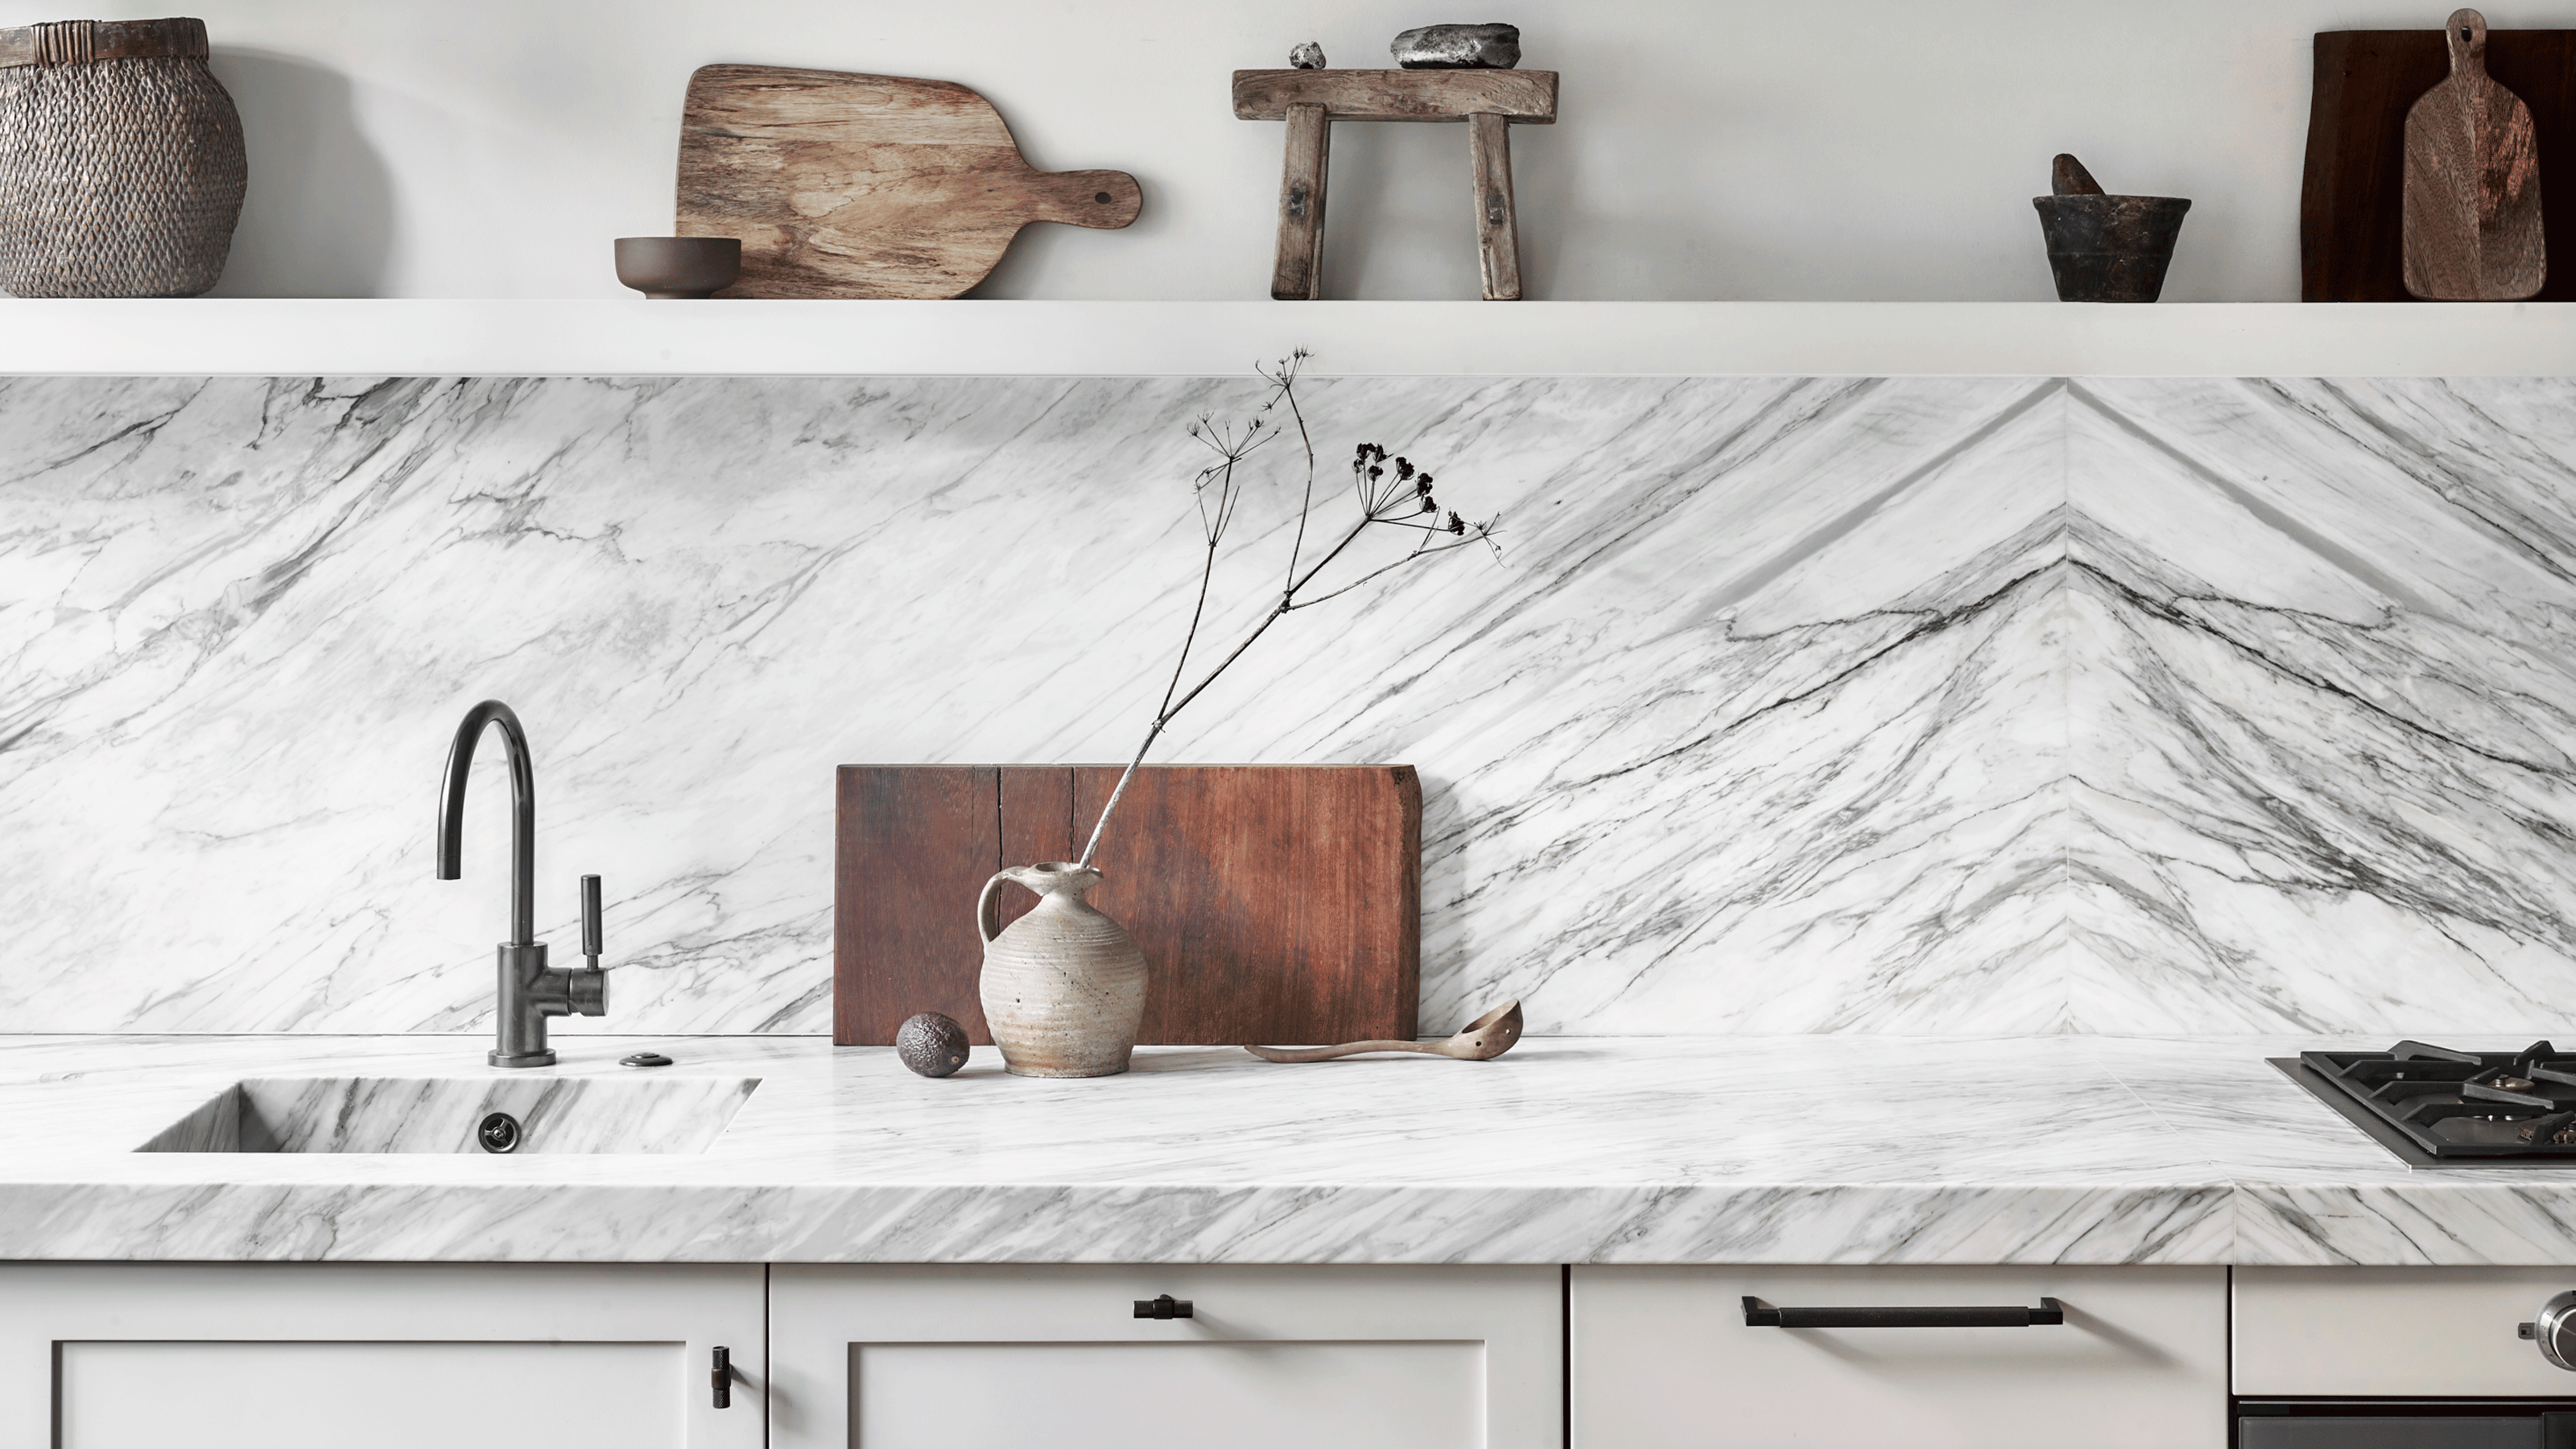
{"points": [[529, 991]]}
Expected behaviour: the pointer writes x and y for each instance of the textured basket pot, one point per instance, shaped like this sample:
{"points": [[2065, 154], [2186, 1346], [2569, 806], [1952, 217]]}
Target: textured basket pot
{"points": [[1064, 988], [2110, 248], [121, 162]]}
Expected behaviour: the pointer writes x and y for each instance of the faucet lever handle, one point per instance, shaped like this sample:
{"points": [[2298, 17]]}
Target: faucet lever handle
{"points": [[590, 945]]}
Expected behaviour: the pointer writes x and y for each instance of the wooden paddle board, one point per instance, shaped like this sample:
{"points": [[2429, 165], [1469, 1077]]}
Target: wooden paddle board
{"points": [[1273, 902], [844, 185], [2472, 202]]}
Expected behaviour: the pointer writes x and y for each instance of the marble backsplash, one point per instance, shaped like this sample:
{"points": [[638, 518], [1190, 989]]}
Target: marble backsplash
{"points": [[1883, 705]]}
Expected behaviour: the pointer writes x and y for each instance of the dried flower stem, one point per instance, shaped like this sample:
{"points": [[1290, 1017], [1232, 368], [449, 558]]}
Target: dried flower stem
{"points": [[1402, 500]]}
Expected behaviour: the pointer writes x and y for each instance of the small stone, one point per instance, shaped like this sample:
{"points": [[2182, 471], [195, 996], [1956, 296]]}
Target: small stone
{"points": [[931, 1044], [1308, 56], [1458, 47]]}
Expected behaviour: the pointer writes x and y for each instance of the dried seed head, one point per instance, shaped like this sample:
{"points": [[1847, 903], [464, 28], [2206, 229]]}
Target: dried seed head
{"points": [[1457, 524], [1403, 470], [1428, 506]]}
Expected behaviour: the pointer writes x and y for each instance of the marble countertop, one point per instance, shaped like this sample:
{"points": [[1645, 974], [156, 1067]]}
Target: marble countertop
{"points": [[1816, 1149]]}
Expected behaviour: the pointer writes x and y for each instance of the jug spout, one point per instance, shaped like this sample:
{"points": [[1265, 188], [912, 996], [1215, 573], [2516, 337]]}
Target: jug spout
{"points": [[1059, 877]]}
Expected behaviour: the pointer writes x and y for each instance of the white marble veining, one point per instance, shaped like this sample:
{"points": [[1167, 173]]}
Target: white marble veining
{"points": [[1819, 1149], [1931, 705]]}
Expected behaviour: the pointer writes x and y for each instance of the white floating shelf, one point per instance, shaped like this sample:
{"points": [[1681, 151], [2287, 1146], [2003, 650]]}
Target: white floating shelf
{"points": [[636, 337]]}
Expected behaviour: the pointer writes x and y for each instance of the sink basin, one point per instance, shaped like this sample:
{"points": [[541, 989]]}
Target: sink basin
{"points": [[445, 1114]]}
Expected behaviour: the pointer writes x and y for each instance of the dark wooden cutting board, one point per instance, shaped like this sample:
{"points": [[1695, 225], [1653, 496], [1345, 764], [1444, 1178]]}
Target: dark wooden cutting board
{"points": [[2351, 207], [2472, 227], [844, 185], [1274, 903]]}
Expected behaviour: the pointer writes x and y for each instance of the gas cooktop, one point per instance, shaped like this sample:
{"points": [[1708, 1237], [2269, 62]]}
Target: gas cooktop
{"points": [[2435, 1107]]}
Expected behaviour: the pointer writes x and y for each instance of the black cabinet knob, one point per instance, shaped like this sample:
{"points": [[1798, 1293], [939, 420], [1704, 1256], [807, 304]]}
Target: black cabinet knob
{"points": [[1164, 1306]]}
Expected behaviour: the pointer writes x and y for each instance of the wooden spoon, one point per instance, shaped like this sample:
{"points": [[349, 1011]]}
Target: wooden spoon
{"points": [[1482, 1040]]}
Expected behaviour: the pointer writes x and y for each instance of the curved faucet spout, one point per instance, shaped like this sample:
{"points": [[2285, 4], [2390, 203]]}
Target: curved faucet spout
{"points": [[523, 811]]}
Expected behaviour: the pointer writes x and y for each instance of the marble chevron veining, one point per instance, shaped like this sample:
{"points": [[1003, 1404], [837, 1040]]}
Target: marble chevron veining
{"points": [[1845, 705], [1819, 1149]]}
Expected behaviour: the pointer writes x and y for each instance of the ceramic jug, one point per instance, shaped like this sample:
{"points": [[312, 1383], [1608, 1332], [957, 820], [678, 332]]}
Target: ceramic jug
{"points": [[1064, 987]]}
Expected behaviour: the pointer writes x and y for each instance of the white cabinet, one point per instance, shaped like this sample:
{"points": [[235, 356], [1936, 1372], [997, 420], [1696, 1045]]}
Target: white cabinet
{"points": [[1272, 1357], [2335, 1332], [328, 1355], [1664, 1357]]}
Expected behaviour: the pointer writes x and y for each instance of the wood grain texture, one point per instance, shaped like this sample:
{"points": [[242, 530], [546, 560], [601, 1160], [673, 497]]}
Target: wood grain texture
{"points": [[1523, 97], [844, 185], [913, 845], [2471, 222], [1297, 272], [108, 39], [1036, 826], [1273, 903], [2351, 211], [1498, 242]]}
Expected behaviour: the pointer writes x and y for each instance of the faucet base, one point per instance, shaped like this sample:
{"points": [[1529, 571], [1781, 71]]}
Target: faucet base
{"points": [[498, 1058]]}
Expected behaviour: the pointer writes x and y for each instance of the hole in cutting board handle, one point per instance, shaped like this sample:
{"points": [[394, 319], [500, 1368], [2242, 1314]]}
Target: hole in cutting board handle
{"points": [[1102, 197]]}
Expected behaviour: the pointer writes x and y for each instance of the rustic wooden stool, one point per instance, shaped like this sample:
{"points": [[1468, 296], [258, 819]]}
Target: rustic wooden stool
{"points": [[1311, 100]]}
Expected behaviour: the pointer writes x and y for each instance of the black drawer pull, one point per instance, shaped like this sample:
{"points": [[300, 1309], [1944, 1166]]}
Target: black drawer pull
{"points": [[722, 1377], [1164, 1306], [1757, 1314]]}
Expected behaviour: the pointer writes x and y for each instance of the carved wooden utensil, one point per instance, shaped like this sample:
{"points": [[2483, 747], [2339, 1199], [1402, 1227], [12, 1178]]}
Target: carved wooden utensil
{"points": [[2472, 201], [844, 185], [1481, 1040]]}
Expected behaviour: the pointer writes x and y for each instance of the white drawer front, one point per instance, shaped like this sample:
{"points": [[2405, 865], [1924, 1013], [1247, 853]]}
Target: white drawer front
{"points": [[1663, 1356], [1360, 1358], [117, 1395], [2395, 1331], [388, 1356]]}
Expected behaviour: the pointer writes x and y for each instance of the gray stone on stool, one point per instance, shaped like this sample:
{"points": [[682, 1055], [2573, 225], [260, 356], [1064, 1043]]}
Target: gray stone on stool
{"points": [[1458, 47]]}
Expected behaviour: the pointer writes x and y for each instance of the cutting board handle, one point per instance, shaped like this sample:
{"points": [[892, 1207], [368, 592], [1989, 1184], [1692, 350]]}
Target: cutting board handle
{"points": [[2467, 33], [1106, 200]]}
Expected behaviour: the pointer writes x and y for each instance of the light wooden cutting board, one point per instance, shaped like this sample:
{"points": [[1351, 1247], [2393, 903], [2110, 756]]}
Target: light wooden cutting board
{"points": [[844, 185]]}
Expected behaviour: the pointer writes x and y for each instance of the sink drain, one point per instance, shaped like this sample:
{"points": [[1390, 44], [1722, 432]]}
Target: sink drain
{"points": [[498, 1133]]}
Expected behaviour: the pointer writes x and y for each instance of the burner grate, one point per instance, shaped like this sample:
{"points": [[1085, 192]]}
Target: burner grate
{"points": [[2453, 1108]]}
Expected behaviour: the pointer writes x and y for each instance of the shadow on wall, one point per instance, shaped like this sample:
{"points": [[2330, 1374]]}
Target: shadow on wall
{"points": [[319, 219]]}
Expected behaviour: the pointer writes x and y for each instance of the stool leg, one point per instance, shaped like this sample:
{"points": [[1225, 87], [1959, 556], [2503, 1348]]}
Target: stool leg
{"points": [[1498, 242], [1298, 275]]}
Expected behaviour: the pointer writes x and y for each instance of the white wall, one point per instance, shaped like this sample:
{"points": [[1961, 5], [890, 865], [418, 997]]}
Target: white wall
{"points": [[1875, 150]]}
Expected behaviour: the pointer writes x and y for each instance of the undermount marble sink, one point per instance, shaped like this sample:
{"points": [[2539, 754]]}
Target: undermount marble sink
{"points": [[444, 1114]]}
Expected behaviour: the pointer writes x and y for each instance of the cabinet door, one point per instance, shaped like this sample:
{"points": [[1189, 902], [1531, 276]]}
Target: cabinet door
{"points": [[1663, 1356], [2361, 1332], [1359, 1358], [417, 1356]]}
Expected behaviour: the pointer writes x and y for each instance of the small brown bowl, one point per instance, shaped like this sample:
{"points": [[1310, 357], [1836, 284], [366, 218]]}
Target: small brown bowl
{"points": [[665, 267]]}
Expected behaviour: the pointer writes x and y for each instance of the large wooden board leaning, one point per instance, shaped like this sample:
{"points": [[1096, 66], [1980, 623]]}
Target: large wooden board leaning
{"points": [[844, 185], [1274, 903], [2351, 208]]}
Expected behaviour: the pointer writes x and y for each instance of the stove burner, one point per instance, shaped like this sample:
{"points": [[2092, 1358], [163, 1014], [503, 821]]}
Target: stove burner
{"points": [[2438, 1107], [2557, 1129]]}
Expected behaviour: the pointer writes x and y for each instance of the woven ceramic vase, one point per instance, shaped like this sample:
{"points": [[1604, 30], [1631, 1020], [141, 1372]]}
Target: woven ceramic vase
{"points": [[1064, 987], [121, 162]]}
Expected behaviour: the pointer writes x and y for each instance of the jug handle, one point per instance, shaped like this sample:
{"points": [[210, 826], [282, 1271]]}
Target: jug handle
{"points": [[988, 923]]}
